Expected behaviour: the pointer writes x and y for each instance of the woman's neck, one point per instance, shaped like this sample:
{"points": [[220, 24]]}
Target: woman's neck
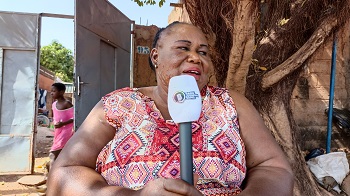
{"points": [[160, 97]]}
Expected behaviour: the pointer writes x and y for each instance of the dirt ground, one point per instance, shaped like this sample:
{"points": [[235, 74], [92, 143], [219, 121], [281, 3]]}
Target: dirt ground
{"points": [[9, 184]]}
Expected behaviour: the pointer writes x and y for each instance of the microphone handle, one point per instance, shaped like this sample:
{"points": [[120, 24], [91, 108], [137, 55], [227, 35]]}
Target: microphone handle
{"points": [[186, 159]]}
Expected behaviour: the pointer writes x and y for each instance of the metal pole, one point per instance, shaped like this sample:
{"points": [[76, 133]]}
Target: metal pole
{"points": [[331, 95]]}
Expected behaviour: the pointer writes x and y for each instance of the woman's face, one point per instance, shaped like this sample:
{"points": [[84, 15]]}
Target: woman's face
{"points": [[182, 49]]}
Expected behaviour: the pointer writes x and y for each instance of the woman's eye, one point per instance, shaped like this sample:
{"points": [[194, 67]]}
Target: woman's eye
{"points": [[183, 48], [203, 53]]}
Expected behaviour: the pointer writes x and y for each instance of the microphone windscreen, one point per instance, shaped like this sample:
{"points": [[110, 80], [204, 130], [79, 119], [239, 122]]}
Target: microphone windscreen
{"points": [[184, 99]]}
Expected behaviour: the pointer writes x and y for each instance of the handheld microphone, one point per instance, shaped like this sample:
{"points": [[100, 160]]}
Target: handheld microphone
{"points": [[185, 105]]}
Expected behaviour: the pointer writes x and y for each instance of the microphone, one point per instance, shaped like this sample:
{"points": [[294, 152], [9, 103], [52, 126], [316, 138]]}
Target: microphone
{"points": [[185, 105]]}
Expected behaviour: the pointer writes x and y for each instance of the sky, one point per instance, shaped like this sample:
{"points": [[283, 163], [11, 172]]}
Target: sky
{"points": [[62, 30]]}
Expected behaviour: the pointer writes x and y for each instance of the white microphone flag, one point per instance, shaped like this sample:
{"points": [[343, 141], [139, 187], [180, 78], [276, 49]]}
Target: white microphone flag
{"points": [[184, 99]]}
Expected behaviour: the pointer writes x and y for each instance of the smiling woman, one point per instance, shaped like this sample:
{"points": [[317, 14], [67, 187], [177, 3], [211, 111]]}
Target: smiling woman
{"points": [[128, 145]]}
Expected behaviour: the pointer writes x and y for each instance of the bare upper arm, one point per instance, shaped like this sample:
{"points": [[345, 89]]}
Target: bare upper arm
{"points": [[85, 145], [68, 104], [261, 147]]}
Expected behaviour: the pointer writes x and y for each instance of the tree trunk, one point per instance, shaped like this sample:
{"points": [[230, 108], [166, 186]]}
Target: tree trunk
{"points": [[280, 122], [243, 35], [275, 64]]}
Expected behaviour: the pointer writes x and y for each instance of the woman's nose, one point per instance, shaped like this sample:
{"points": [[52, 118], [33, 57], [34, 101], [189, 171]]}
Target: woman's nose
{"points": [[193, 57]]}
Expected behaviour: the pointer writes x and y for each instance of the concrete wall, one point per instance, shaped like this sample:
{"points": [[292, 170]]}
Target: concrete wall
{"points": [[143, 75], [179, 14], [310, 98]]}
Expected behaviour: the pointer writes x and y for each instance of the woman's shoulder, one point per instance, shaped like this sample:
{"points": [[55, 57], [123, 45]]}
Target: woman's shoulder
{"points": [[120, 92], [221, 90], [237, 98], [217, 91], [68, 104]]}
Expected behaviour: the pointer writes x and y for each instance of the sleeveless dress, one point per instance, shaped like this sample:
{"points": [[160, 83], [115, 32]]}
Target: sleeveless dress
{"points": [[146, 147], [64, 133]]}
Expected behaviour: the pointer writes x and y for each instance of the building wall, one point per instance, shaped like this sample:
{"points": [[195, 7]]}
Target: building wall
{"points": [[143, 75], [310, 98], [179, 14], [46, 79]]}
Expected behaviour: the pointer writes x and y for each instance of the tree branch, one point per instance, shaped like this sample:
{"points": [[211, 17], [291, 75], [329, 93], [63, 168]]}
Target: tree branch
{"points": [[298, 58], [242, 45]]}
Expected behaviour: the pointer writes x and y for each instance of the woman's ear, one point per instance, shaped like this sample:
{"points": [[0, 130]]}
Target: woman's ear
{"points": [[154, 56]]}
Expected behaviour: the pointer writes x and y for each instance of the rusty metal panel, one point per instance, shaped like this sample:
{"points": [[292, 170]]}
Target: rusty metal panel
{"points": [[102, 18], [102, 53], [19, 40], [18, 29]]}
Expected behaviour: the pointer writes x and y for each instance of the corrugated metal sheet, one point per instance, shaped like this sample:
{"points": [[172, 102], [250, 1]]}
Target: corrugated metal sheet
{"points": [[18, 30], [15, 154], [19, 41], [19, 74]]}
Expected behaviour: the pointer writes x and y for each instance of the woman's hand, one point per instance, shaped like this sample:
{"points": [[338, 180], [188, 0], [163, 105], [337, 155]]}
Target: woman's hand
{"points": [[163, 186], [63, 123]]}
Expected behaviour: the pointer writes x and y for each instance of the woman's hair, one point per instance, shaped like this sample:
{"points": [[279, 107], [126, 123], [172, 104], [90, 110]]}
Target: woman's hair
{"points": [[59, 86], [157, 37]]}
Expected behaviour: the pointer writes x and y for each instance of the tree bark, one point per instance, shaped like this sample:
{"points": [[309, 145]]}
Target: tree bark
{"points": [[280, 124], [287, 25], [243, 35]]}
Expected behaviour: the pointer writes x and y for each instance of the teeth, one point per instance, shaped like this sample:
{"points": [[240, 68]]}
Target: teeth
{"points": [[194, 72]]}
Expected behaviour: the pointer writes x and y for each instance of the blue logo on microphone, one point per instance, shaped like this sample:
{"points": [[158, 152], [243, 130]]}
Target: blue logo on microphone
{"points": [[180, 96]]}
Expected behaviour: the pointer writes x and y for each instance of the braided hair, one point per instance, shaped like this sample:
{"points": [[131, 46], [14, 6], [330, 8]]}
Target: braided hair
{"points": [[157, 37]]}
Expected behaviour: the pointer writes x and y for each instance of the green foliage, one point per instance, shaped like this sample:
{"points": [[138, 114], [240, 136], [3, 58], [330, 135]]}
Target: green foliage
{"points": [[149, 2], [58, 59]]}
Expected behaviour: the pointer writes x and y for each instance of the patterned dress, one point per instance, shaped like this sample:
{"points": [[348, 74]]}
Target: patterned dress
{"points": [[146, 147]]}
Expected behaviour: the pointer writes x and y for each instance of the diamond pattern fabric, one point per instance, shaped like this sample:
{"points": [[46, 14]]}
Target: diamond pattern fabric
{"points": [[146, 146]]}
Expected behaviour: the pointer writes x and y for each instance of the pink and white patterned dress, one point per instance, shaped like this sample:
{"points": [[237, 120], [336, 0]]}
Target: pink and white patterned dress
{"points": [[146, 147]]}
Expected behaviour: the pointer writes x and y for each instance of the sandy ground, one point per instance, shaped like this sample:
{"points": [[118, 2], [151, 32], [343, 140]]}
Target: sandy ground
{"points": [[9, 184]]}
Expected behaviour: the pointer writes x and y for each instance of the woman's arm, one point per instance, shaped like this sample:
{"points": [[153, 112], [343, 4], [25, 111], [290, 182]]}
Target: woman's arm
{"points": [[269, 172], [61, 124], [74, 170]]}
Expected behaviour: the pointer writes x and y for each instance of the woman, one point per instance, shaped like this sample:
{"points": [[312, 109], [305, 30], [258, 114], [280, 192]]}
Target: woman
{"points": [[131, 135]]}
